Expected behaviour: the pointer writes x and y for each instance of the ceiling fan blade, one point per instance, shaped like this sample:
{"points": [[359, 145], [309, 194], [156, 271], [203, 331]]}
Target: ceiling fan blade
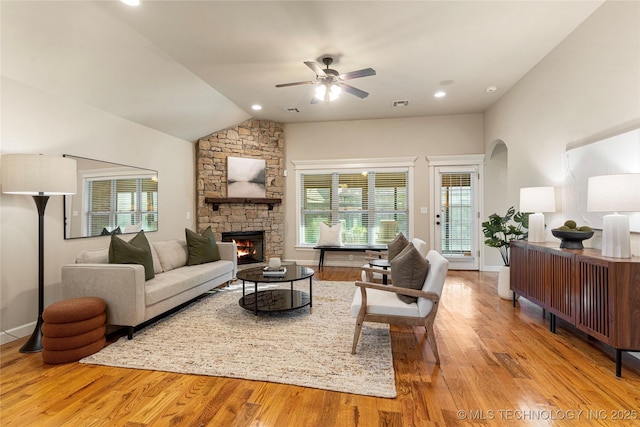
{"points": [[354, 91], [296, 83], [366, 72], [315, 68]]}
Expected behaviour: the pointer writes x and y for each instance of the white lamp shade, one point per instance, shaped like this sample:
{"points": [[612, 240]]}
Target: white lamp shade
{"points": [[537, 199], [614, 193], [34, 174]]}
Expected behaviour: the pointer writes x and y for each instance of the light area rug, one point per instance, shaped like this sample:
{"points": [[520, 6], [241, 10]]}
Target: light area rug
{"points": [[215, 336]]}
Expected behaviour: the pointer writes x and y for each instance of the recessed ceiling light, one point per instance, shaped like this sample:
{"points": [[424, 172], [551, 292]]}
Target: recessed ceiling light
{"points": [[256, 107], [131, 2], [491, 89], [440, 94]]}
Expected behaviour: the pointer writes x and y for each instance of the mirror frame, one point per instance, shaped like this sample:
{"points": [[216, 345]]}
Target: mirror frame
{"points": [[86, 168]]}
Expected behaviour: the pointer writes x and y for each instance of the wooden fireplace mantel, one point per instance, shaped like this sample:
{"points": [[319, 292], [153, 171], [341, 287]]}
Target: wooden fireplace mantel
{"points": [[217, 201]]}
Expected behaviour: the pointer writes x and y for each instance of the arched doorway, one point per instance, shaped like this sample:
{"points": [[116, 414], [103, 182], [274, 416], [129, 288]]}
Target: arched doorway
{"points": [[496, 185]]}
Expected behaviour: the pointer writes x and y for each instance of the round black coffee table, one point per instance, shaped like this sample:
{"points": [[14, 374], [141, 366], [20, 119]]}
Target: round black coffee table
{"points": [[271, 300]]}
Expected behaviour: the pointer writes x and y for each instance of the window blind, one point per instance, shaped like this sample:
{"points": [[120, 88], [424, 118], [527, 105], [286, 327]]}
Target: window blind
{"points": [[371, 205], [113, 203], [456, 192]]}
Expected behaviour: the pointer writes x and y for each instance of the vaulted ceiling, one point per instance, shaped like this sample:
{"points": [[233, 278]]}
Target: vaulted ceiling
{"points": [[189, 68]]}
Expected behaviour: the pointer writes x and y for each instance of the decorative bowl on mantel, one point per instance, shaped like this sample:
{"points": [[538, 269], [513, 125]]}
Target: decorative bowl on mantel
{"points": [[572, 239]]}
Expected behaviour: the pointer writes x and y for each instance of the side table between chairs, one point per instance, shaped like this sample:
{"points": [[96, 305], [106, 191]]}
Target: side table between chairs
{"points": [[382, 263]]}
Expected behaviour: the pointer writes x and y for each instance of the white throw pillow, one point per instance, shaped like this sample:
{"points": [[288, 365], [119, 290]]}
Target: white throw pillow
{"points": [[330, 236], [93, 256], [172, 254], [132, 228]]}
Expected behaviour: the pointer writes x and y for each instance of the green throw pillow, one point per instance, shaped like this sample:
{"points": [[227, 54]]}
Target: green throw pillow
{"points": [[136, 251], [396, 246], [408, 270], [201, 248], [106, 232]]}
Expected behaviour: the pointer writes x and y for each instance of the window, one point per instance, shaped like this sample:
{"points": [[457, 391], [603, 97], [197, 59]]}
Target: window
{"points": [[372, 203], [113, 203], [457, 213]]}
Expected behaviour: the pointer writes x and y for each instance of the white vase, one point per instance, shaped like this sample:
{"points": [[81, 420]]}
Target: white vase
{"points": [[504, 290], [274, 262]]}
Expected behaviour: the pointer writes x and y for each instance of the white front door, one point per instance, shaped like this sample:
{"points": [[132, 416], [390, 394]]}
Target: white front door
{"points": [[456, 215]]}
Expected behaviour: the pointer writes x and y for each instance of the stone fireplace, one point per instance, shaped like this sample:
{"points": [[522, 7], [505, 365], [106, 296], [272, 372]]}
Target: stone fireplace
{"points": [[250, 245], [256, 139]]}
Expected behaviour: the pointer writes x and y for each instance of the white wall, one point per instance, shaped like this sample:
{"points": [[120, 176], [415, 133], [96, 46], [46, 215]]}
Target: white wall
{"points": [[585, 89], [36, 122], [421, 137]]}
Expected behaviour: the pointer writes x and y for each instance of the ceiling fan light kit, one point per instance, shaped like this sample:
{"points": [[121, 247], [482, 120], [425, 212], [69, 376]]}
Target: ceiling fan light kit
{"points": [[331, 83], [328, 93]]}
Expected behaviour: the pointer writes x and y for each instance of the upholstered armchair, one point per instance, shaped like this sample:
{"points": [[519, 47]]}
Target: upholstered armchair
{"points": [[374, 302], [374, 274]]}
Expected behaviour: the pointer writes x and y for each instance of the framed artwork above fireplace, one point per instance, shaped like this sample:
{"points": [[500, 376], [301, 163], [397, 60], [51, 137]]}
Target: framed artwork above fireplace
{"points": [[246, 177]]}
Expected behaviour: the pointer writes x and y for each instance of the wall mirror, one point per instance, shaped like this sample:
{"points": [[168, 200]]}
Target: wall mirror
{"points": [[111, 199]]}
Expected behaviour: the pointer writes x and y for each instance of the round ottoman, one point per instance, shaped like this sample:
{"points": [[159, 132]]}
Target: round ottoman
{"points": [[73, 329]]}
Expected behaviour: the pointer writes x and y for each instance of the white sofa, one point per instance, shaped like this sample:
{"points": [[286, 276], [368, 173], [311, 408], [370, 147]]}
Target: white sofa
{"points": [[130, 299]]}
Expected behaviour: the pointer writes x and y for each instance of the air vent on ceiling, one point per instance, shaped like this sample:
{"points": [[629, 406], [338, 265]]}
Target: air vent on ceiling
{"points": [[290, 110], [400, 103]]}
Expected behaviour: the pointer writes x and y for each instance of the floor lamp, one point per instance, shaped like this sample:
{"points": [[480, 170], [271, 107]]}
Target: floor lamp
{"points": [[38, 176], [537, 200], [614, 193]]}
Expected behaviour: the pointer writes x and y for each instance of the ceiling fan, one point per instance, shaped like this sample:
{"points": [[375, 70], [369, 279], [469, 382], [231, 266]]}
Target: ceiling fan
{"points": [[331, 83]]}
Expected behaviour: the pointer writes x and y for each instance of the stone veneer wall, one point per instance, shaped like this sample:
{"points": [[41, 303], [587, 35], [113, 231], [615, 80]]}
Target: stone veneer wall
{"points": [[257, 139]]}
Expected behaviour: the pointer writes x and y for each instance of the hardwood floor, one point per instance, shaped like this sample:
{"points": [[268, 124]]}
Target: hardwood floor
{"points": [[499, 366]]}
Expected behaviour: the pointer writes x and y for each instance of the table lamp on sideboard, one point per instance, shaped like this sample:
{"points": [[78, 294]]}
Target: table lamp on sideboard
{"points": [[41, 177], [615, 193], [537, 200]]}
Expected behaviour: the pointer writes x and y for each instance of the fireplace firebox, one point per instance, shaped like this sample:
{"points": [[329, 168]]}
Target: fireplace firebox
{"points": [[250, 245]]}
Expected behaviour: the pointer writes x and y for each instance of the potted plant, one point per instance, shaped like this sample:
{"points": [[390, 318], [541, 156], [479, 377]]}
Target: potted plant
{"points": [[500, 231]]}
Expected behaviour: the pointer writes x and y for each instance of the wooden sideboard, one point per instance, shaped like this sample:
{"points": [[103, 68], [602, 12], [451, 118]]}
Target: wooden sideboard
{"points": [[596, 294]]}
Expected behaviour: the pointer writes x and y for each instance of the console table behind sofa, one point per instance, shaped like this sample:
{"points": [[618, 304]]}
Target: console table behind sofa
{"points": [[348, 248]]}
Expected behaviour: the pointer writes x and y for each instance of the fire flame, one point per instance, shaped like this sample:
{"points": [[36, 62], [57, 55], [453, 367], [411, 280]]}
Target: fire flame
{"points": [[245, 248]]}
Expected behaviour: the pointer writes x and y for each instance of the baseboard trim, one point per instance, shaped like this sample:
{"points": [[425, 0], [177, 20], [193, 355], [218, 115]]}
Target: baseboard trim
{"points": [[17, 333]]}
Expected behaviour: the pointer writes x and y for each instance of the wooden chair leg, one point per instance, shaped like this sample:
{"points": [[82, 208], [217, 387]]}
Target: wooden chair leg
{"points": [[360, 320], [431, 337], [356, 335]]}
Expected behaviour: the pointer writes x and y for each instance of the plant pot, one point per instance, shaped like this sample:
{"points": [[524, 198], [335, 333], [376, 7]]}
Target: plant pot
{"points": [[504, 289]]}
